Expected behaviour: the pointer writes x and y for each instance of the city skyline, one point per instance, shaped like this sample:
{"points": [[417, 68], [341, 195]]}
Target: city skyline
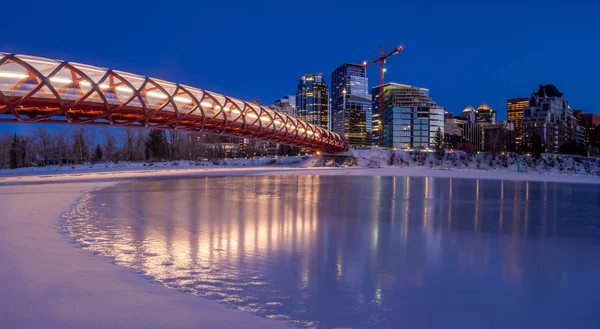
{"points": [[460, 64]]}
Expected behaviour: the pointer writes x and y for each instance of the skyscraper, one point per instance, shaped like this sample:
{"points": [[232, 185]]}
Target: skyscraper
{"points": [[375, 117], [471, 128], [485, 115], [469, 113], [548, 116], [514, 115], [411, 118], [312, 100], [351, 104]]}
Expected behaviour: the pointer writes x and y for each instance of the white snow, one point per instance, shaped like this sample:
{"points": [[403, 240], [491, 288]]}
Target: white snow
{"points": [[180, 164], [385, 162], [459, 160]]}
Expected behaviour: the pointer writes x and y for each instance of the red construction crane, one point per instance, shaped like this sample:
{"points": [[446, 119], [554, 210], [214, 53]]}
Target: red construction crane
{"points": [[381, 60]]}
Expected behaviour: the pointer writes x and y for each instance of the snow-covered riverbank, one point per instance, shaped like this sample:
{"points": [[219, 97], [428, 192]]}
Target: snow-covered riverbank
{"points": [[401, 163]]}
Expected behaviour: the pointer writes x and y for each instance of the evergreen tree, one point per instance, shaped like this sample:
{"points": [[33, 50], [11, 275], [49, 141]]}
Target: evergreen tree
{"points": [[98, 153], [23, 152], [18, 152], [572, 147], [156, 145], [438, 143], [536, 146], [438, 140], [15, 158]]}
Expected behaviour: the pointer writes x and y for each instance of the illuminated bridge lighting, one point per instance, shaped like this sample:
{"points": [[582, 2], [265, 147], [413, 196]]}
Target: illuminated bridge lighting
{"points": [[34, 89]]}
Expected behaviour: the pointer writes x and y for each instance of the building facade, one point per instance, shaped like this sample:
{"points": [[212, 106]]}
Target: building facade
{"points": [[312, 100], [485, 115], [497, 137], [514, 115], [453, 131], [376, 121], [411, 118], [288, 99], [287, 105], [351, 105], [471, 129], [452, 125], [548, 116], [590, 123]]}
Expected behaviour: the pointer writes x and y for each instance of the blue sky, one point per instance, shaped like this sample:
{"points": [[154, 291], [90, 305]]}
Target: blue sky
{"points": [[466, 52]]}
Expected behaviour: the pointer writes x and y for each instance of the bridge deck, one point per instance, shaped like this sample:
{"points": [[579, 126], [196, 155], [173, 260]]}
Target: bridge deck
{"points": [[34, 89]]}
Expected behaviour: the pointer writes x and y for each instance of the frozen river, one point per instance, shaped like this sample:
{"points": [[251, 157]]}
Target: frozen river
{"points": [[362, 252]]}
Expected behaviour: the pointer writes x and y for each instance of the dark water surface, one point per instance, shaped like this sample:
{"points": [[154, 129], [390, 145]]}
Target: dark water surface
{"points": [[362, 252]]}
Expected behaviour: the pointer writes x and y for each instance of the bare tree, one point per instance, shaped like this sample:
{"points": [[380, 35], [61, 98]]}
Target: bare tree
{"points": [[109, 145], [42, 138], [81, 145], [140, 146], [129, 143], [193, 145], [175, 140], [60, 137]]}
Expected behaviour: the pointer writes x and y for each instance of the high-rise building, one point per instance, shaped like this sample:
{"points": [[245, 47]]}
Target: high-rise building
{"points": [[411, 118], [288, 99], [485, 115], [451, 125], [376, 129], [453, 131], [351, 104], [548, 116], [497, 137], [514, 114], [590, 123], [469, 113], [471, 129], [312, 100], [287, 105]]}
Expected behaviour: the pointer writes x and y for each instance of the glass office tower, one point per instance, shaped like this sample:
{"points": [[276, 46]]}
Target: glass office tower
{"points": [[312, 100], [351, 105], [411, 119]]}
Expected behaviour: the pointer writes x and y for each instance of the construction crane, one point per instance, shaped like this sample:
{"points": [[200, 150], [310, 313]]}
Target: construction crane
{"points": [[381, 60]]}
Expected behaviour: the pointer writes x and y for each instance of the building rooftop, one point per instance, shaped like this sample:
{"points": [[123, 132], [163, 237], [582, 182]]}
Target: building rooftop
{"points": [[483, 107], [399, 85], [548, 91]]}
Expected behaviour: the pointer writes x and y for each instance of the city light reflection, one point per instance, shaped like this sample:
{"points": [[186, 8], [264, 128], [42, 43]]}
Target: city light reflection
{"points": [[284, 247]]}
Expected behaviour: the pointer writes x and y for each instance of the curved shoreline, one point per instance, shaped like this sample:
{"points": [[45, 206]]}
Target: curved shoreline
{"points": [[49, 283], [119, 176]]}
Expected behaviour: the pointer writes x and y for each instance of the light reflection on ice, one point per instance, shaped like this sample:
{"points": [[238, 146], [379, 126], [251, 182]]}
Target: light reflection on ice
{"points": [[354, 251]]}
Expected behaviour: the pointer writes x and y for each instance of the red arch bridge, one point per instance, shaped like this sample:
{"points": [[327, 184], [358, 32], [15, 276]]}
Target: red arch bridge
{"points": [[34, 89]]}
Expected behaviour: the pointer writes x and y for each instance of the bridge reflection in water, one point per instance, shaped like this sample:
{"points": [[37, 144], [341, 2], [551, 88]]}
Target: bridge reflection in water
{"points": [[358, 251], [35, 89]]}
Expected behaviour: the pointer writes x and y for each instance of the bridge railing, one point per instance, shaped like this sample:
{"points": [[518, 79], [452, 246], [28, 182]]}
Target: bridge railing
{"points": [[34, 89]]}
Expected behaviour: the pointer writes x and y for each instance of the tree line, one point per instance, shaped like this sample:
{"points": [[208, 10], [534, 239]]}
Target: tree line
{"points": [[76, 145]]}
